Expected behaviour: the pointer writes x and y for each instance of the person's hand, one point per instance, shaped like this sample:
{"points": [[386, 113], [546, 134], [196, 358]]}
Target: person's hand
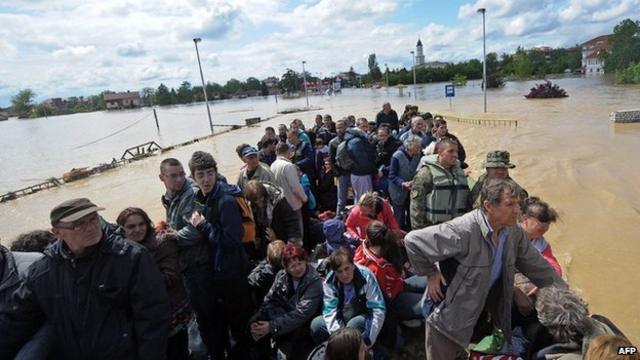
{"points": [[196, 218], [270, 235], [434, 287], [380, 174], [407, 184], [168, 235], [523, 302], [260, 329]]}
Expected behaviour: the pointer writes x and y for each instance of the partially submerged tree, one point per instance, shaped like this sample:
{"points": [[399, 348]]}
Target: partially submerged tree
{"points": [[22, 104], [546, 90]]}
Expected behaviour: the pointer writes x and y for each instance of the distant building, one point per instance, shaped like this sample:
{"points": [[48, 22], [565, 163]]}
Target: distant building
{"points": [[592, 63], [54, 103], [420, 61], [419, 54], [123, 100], [545, 51], [271, 81]]}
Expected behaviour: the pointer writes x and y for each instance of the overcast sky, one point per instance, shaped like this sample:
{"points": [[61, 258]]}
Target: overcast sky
{"points": [[80, 47]]}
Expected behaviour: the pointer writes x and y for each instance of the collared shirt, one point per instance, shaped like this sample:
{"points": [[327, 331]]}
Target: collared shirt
{"points": [[496, 265]]}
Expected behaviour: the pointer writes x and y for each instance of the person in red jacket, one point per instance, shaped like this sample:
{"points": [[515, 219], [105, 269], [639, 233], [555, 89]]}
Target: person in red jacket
{"points": [[382, 253], [371, 207]]}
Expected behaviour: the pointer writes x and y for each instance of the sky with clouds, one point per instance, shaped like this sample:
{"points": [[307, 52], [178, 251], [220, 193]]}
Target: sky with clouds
{"points": [[63, 48]]}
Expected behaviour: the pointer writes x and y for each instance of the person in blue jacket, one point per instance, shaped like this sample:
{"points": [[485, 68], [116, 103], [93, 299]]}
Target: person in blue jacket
{"points": [[352, 298], [223, 291]]}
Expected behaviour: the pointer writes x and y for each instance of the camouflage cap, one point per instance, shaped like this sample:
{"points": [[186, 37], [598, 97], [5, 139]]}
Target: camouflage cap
{"points": [[498, 159]]}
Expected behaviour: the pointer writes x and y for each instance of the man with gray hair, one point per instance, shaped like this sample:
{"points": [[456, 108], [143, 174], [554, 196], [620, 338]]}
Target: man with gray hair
{"points": [[566, 317], [403, 167], [475, 257], [418, 128]]}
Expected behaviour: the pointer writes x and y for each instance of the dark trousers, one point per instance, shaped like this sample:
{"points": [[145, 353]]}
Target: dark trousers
{"points": [[296, 345], [221, 306], [178, 346]]}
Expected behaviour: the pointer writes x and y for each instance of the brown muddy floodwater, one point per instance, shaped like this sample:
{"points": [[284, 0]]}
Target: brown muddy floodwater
{"points": [[566, 152]]}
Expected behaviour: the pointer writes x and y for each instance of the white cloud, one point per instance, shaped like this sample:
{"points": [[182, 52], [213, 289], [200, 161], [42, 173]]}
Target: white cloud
{"points": [[74, 51], [131, 50], [129, 44]]}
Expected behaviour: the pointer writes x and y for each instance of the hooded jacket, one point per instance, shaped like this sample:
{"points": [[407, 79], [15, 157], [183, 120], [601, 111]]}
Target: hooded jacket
{"points": [[223, 230], [108, 304], [289, 309]]}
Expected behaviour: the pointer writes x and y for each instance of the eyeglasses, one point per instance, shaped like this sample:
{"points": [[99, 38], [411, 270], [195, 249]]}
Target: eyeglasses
{"points": [[81, 225]]}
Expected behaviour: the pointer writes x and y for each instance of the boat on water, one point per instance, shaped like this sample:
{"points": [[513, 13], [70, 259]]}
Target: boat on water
{"points": [[76, 174]]}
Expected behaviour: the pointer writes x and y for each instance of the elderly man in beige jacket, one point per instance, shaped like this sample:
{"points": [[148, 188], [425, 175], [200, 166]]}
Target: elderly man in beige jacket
{"points": [[285, 175]]}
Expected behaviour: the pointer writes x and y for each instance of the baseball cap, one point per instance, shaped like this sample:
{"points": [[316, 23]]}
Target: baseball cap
{"points": [[72, 210]]}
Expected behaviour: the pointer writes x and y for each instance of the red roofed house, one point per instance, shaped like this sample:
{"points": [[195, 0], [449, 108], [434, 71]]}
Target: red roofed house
{"points": [[123, 100], [591, 51]]}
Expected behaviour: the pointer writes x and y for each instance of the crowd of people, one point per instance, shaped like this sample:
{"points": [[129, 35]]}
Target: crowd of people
{"points": [[330, 242]]}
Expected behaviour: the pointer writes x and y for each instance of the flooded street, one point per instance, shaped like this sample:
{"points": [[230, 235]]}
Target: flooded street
{"points": [[566, 152]]}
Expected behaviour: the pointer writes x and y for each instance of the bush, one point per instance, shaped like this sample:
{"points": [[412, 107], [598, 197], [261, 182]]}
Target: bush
{"points": [[546, 90], [630, 75]]}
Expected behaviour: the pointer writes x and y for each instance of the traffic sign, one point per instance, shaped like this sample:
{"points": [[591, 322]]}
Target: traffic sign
{"points": [[449, 90]]}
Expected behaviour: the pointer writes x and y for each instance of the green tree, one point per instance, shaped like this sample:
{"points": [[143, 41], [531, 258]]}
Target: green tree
{"points": [[264, 90], [374, 69], [185, 93], [630, 75], [352, 76], [41, 111], [624, 46], [523, 65], [494, 71], [148, 96], [214, 91], [22, 103], [163, 95], [290, 81], [232, 86], [253, 84]]}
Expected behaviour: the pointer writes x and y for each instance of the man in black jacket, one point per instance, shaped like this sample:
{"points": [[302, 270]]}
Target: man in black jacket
{"points": [[387, 116], [103, 296]]}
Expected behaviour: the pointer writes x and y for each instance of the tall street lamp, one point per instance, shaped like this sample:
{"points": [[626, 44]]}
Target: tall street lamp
{"points": [[204, 87], [304, 80], [413, 55], [484, 59], [386, 73]]}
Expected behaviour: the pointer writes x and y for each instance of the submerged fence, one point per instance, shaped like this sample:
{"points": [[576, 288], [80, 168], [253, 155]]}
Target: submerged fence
{"points": [[483, 122]]}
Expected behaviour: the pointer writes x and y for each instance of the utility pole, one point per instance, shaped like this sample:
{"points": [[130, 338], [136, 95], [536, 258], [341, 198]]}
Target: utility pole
{"points": [[304, 80], [204, 87], [413, 55], [484, 59]]}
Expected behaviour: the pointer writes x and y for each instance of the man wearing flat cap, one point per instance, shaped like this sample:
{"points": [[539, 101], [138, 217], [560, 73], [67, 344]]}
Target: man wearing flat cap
{"points": [[103, 296], [497, 165]]}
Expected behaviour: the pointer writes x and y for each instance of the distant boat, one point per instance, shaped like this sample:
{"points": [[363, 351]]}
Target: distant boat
{"points": [[76, 174]]}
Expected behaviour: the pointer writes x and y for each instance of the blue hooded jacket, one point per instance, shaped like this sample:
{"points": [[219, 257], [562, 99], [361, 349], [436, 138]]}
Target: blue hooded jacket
{"points": [[223, 230]]}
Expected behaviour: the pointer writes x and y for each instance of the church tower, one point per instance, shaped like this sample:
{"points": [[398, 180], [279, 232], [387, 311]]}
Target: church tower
{"points": [[419, 53]]}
